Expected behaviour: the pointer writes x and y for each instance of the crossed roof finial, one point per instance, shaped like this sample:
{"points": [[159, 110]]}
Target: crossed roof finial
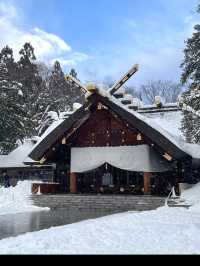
{"points": [[92, 88]]}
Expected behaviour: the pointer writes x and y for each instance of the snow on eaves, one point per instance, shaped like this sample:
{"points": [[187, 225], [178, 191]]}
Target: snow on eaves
{"points": [[17, 157], [54, 125]]}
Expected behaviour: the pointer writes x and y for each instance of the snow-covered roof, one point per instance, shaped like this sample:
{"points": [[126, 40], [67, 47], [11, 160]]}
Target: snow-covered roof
{"points": [[54, 125], [18, 157], [167, 124], [170, 121]]}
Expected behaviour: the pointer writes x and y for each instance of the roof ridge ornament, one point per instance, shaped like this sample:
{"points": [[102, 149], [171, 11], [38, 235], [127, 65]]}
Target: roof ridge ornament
{"points": [[92, 88], [124, 79], [76, 82]]}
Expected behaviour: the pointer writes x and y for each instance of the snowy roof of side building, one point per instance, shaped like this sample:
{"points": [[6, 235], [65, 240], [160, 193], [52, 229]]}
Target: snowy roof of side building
{"points": [[16, 158], [19, 158]]}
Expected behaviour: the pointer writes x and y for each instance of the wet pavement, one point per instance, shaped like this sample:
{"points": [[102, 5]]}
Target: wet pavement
{"points": [[16, 224]]}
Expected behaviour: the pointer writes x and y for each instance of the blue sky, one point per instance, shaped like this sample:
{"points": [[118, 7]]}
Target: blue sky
{"points": [[102, 39]]}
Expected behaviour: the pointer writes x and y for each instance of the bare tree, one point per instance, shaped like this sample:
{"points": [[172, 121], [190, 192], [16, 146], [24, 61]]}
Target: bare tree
{"points": [[168, 90], [133, 91]]}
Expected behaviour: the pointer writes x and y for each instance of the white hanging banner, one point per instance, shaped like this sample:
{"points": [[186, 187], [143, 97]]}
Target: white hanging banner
{"points": [[141, 158]]}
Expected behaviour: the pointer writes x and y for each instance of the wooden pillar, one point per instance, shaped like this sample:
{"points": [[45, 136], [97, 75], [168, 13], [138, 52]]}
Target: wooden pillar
{"points": [[147, 183], [73, 183], [179, 178]]}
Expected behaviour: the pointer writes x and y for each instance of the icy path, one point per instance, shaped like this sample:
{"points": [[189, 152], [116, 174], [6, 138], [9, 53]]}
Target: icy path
{"points": [[16, 199]]}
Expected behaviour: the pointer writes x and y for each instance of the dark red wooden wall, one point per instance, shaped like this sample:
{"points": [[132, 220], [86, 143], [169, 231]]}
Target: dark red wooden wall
{"points": [[104, 128]]}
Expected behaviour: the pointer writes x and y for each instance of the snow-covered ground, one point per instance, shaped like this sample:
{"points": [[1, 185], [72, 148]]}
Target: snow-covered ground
{"points": [[163, 231], [16, 199], [192, 197]]}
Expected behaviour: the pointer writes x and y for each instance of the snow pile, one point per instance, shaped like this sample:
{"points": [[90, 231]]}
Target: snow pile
{"points": [[192, 197], [76, 106], [164, 231], [16, 199]]}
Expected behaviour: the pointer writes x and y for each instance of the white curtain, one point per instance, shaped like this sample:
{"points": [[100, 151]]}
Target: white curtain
{"points": [[140, 158]]}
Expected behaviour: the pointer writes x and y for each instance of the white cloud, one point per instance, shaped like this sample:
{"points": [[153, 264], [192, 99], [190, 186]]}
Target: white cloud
{"points": [[7, 10], [47, 45], [157, 45], [72, 60], [130, 23], [52, 38]]}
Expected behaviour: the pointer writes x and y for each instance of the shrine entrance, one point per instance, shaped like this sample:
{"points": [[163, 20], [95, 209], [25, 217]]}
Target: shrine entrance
{"points": [[111, 180], [108, 179], [117, 170]]}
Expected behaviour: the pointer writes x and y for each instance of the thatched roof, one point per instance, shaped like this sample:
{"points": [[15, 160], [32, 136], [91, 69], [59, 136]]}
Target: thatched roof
{"points": [[156, 134]]}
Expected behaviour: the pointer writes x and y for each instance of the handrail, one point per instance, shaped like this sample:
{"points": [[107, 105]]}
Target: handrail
{"points": [[170, 194]]}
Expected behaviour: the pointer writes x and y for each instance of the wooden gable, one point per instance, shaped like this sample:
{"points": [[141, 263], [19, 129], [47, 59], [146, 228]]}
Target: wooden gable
{"points": [[105, 128]]}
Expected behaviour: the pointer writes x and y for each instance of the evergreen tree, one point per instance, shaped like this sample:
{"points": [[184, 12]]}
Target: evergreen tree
{"points": [[12, 114], [73, 73], [62, 93], [31, 95], [58, 90], [191, 98], [34, 89], [75, 95], [7, 58]]}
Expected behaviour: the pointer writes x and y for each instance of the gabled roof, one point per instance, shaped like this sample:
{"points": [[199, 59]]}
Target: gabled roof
{"points": [[155, 133]]}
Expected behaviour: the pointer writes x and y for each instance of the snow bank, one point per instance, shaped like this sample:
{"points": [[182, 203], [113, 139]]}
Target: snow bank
{"points": [[192, 197], [16, 199], [164, 231]]}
